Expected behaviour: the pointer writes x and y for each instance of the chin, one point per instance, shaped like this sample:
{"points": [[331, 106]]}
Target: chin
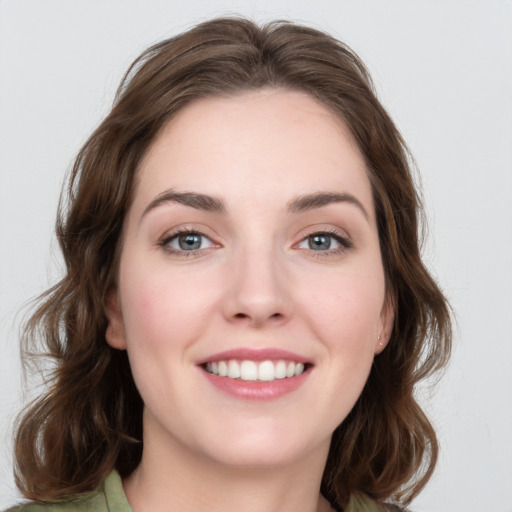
{"points": [[261, 447]]}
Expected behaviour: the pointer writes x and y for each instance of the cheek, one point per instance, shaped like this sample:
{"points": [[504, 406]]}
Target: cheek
{"points": [[164, 309], [164, 316], [345, 315], [348, 304]]}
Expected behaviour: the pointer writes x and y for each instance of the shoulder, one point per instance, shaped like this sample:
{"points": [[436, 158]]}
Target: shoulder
{"points": [[92, 502], [109, 497], [363, 503]]}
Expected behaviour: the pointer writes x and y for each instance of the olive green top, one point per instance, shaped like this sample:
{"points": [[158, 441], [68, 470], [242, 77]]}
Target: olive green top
{"points": [[110, 497]]}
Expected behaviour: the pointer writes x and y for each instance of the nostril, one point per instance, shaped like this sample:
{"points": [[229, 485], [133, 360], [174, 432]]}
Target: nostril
{"points": [[245, 315]]}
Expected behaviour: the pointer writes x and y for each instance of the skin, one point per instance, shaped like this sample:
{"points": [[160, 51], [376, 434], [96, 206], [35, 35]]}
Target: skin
{"points": [[257, 281]]}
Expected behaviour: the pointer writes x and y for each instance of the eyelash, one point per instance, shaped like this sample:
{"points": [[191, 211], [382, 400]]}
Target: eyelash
{"points": [[343, 241], [165, 242]]}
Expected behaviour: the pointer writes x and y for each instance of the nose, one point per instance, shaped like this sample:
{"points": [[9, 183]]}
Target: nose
{"points": [[257, 292]]}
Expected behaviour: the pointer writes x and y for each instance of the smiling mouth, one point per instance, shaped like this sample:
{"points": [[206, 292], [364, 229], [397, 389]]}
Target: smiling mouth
{"points": [[264, 371]]}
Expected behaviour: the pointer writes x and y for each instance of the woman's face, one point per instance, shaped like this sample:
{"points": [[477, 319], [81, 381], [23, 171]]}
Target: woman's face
{"points": [[250, 254]]}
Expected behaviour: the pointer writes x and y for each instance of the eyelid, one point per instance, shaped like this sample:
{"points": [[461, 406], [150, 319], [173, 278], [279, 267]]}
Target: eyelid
{"points": [[342, 238], [172, 234]]}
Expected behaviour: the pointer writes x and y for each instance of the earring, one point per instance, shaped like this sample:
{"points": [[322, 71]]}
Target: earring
{"points": [[380, 342]]}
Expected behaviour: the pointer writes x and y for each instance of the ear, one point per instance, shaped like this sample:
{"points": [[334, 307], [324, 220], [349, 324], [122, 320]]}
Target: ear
{"points": [[114, 334], [387, 319]]}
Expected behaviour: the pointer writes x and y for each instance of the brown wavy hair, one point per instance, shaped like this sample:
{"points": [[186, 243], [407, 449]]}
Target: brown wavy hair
{"points": [[89, 421]]}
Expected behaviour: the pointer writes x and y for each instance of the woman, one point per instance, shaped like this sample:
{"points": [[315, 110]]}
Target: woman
{"points": [[245, 312]]}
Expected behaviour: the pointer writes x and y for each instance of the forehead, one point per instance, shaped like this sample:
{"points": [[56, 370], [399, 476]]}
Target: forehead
{"points": [[260, 143]]}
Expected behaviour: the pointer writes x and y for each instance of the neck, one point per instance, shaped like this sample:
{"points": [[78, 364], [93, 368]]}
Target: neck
{"points": [[176, 479]]}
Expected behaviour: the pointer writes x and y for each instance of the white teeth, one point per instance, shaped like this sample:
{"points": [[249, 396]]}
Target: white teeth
{"points": [[253, 371], [266, 371], [223, 369], [248, 370], [280, 370], [233, 370]]}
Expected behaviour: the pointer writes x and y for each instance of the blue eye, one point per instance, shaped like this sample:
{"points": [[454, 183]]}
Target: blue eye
{"points": [[187, 241], [319, 242], [324, 242]]}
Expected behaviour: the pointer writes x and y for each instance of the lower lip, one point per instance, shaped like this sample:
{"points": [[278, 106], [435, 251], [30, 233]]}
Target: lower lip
{"points": [[257, 390]]}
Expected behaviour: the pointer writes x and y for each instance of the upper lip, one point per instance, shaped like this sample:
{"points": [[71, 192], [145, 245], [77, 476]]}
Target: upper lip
{"points": [[253, 354]]}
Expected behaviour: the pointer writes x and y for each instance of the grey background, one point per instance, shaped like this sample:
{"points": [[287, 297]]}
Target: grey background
{"points": [[442, 68]]}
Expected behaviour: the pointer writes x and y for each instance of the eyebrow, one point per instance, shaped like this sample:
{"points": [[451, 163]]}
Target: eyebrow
{"points": [[319, 199], [216, 205], [193, 199]]}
